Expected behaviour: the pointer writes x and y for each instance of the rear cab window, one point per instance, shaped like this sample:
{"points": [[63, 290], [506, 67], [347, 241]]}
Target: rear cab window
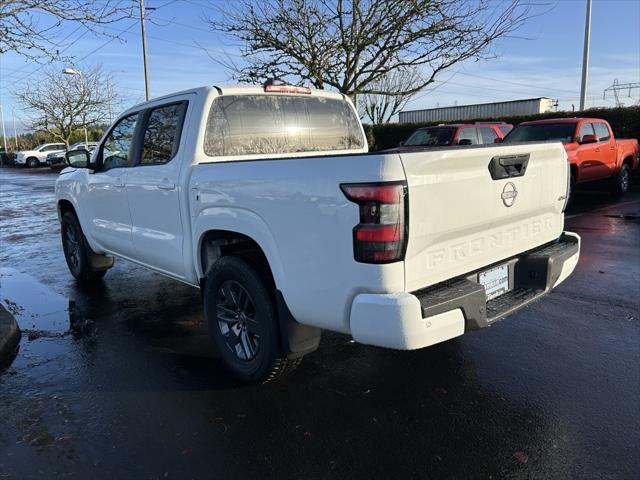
{"points": [[267, 124], [542, 132]]}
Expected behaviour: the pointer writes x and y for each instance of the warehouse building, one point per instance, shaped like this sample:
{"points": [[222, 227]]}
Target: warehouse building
{"points": [[528, 106]]}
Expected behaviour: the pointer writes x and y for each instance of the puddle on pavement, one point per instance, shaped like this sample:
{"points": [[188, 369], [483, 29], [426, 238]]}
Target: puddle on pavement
{"points": [[37, 308]]}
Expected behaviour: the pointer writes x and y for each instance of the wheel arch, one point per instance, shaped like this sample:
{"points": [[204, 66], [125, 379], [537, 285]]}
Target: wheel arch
{"points": [[219, 231], [65, 206], [628, 160]]}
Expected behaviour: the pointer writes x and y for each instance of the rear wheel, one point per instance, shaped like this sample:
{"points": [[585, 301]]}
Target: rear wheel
{"points": [[620, 182], [77, 250], [32, 162], [242, 322]]}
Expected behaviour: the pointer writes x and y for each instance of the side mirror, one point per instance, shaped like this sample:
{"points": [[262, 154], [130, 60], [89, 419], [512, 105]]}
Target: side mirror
{"points": [[78, 158], [464, 141], [588, 139], [497, 140], [401, 143]]}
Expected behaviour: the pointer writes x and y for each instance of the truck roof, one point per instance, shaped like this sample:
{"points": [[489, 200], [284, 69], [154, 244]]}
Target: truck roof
{"points": [[232, 90]]}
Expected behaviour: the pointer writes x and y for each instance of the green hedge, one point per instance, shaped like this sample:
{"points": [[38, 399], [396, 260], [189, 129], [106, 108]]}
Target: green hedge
{"points": [[624, 121]]}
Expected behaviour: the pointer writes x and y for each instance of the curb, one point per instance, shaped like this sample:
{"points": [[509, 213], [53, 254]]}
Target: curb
{"points": [[9, 337]]}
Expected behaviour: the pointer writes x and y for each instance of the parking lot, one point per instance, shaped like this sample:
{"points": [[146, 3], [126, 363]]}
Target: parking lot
{"points": [[119, 381]]}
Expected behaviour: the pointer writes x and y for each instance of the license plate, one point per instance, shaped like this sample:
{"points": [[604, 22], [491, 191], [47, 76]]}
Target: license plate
{"points": [[495, 281]]}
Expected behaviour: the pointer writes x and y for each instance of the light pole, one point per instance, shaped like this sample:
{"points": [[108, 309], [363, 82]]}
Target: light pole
{"points": [[585, 57], [144, 50], [73, 71]]}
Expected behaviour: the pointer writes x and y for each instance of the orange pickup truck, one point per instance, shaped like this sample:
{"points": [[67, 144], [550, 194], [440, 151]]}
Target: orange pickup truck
{"points": [[592, 150]]}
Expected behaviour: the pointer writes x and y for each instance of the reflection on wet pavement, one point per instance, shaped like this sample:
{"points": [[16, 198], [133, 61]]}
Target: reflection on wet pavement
{"points": [[37, 308]]}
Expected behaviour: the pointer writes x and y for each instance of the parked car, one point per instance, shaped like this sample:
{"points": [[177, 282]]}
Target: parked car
{"points": [[267, 199], [57, 160], [4, 156], [446, 135], [592, 150], [33, 158]]}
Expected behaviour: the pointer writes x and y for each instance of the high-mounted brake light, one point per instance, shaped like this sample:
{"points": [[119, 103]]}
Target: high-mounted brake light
{"points": [[286, 89], [381, 236]]}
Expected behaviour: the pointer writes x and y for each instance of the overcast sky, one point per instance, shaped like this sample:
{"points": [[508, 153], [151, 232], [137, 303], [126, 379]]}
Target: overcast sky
{"points": [[545, 62]]}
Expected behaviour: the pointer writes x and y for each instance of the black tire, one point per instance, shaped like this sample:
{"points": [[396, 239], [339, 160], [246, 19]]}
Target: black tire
{"points": [[620, 182], [242, 323], [77, 250], [32, 162]]}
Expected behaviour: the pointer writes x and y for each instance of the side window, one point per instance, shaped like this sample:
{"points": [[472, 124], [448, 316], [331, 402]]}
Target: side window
{"points": [[468, 134], [602, 131], [488, 134], [162, 134], [116, 148], [586, 129]]}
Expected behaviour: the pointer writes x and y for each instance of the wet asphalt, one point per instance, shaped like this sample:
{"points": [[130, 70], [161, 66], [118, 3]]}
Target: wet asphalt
{"points": [[119, 381]]}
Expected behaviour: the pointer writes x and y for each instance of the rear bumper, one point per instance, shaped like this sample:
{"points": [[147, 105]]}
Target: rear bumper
{"points": [[408, 321]]}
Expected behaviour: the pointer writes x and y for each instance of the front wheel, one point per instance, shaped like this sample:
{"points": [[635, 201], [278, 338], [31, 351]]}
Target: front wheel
{"points": [[33, 162], [76, 250], [620, 182], [242, 322]]}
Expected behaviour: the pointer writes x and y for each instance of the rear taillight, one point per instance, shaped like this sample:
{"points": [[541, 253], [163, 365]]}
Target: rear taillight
{"points": [[381, 235]]}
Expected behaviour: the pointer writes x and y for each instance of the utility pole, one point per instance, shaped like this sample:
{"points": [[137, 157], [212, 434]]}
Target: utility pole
{"points": [[4, 134], [144, 50], [585, 57]]}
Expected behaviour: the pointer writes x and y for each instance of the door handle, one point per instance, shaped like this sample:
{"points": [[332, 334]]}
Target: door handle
{"points": [[165, 185]]}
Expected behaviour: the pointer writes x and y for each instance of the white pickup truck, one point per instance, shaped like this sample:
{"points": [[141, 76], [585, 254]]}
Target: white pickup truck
{"points": [[267, 200]]}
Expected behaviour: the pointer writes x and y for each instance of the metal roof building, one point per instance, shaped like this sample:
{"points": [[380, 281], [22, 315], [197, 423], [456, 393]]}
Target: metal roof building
{"points": [[528, 106]]}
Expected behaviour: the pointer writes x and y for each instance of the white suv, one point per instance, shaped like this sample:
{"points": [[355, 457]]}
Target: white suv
{"points": [[33, 158]]}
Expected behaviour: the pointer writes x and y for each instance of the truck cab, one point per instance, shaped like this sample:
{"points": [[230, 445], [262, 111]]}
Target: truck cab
{"points": [[592, 150]]}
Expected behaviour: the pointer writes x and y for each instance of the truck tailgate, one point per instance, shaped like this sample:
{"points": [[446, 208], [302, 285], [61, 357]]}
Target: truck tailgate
{"points": [[472, 207]]}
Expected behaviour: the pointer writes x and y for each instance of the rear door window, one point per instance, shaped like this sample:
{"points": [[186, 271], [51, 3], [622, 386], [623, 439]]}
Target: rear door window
{"points": [[162, 134], [468, 134], [602, 132], [280, 124], [488, 135]]}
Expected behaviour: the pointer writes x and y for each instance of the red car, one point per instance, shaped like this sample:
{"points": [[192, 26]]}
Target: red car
{"points": [[592, 150], [456, 134]]}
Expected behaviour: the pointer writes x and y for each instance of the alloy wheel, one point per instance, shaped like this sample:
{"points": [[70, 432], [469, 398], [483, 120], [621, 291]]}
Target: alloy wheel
{"points": [[236, 315]]}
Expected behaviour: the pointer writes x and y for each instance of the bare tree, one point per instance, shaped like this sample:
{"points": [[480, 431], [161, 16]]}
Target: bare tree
{"points": [[62, 105], [28, 27], [352, 45], [380, 108]]}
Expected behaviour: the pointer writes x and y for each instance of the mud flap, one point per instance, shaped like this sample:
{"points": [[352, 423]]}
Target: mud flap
{"points": [[296, 340]]}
